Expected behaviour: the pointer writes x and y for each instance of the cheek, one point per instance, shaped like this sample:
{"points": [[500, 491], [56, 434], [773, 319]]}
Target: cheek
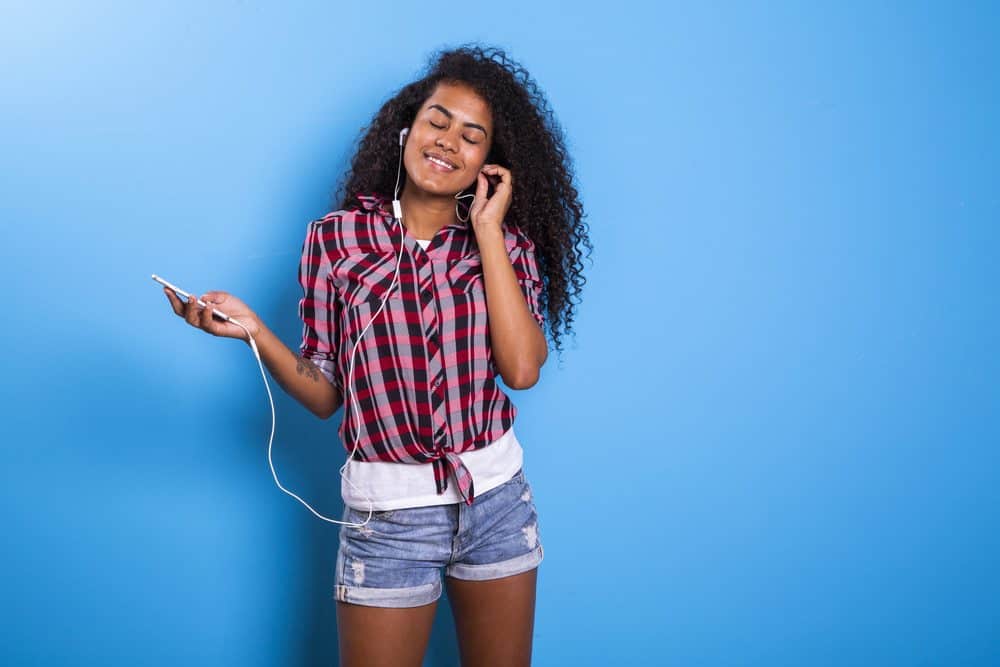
{"points": [[410, 152], [469, 181], [411, 159], [474, 163]]}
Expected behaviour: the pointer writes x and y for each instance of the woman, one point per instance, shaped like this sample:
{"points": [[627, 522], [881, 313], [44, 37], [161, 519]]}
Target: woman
{"points": [[411, 308]]}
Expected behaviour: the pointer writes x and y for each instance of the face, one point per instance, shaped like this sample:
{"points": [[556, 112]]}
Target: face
{"points": [[448, 141]]}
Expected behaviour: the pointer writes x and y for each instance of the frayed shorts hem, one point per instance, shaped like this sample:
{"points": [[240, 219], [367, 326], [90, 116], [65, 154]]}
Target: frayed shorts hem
{"points": [[417, 596], [414, 596]]}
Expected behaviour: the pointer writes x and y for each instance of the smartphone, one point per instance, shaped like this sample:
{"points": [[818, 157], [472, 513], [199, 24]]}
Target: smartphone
{"points": [[180, 292]]}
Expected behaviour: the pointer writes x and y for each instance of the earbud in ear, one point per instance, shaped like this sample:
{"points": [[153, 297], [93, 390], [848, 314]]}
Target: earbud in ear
{"points": [[402, 135]]}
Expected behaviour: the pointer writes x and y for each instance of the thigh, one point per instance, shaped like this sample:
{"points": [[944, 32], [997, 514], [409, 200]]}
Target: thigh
{"points": [[494, 618], [388, 581], [377, 636], [491, 581]]}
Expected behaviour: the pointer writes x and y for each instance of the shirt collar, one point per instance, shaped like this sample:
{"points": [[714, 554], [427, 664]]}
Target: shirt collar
{"points": [[376, 203]]}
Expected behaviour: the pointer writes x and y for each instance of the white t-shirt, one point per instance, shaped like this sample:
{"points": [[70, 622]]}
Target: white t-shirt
{"points": [[393, 485]]}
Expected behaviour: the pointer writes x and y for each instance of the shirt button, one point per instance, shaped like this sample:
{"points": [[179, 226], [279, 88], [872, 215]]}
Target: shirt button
{"points": [[436, 383]]}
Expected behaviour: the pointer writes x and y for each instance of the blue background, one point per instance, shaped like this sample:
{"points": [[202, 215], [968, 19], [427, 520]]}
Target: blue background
{"points": [[773, 442]]}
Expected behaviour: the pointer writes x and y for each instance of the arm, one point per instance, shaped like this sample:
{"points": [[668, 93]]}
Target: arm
{"points": [[318, 309], [299, 377], [517, 341]]}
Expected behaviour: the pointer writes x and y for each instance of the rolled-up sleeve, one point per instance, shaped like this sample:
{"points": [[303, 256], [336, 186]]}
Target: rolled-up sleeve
{"points": [[318, 307], [522, 258]]}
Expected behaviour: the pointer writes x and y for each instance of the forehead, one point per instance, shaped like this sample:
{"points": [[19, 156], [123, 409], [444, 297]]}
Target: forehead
{"points": [[463, 102]]}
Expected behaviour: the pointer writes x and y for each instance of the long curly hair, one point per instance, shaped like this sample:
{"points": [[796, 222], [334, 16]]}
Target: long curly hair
{"points": [[528, 140]]}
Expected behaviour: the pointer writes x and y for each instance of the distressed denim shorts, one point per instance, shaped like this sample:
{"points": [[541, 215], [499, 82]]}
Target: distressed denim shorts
{"points": [[395, 560]]}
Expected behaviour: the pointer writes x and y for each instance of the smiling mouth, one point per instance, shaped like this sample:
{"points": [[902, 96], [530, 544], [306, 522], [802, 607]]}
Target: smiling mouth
{"points": [[439, 163]]}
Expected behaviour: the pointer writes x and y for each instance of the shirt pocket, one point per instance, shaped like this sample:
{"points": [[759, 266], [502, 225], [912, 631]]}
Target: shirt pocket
{"points": [[364, 278], [465, 277], [464, 305], [358, 318]]}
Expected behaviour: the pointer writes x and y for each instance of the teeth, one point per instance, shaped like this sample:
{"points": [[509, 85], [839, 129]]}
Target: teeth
{"points": [[440, 162]]}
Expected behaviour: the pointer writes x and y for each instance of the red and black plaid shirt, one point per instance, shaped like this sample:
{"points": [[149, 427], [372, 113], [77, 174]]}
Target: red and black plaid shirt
{"points": [[424, 378]]}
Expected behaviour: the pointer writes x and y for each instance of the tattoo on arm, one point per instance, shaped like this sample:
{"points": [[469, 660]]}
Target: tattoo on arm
{"points": [[307, 368]]}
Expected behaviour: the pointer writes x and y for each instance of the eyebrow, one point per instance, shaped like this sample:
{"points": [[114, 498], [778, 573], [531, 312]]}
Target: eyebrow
{"points": [[450, 115]]}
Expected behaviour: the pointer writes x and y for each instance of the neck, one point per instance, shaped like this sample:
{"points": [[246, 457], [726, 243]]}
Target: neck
{"points": [[424, 214]]}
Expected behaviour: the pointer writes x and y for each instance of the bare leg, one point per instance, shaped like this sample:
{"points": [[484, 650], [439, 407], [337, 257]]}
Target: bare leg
{"points": [[494, 619], [382, 636]]}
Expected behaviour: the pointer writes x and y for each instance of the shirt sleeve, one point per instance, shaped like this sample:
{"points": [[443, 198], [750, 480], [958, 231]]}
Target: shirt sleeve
{"points": [[522, 258], [318, 307]]}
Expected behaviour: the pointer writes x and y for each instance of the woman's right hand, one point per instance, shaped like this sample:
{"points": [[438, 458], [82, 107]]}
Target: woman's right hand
{"points": [[198, 316]]}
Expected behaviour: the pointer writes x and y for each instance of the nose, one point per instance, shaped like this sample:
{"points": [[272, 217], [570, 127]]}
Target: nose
{"points": [[446, 141]]}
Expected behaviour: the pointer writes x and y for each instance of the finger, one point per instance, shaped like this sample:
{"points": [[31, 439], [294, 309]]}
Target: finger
{"points": [[205, 317], [502, 172], [214, 297], [481, 189], [192, 312], [175, 303]]}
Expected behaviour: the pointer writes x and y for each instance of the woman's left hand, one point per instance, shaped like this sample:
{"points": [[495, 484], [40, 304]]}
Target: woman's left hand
{"points": [[488, 214]]}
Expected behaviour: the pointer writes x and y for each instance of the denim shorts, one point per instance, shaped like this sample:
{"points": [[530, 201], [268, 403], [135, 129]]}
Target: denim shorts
{"points": [[395, 560]]}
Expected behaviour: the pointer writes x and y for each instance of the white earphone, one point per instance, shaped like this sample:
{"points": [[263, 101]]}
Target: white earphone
{"points": [[397, 210]]}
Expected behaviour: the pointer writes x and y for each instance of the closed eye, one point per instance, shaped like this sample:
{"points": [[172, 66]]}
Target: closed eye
{"points": [[441, 127]]}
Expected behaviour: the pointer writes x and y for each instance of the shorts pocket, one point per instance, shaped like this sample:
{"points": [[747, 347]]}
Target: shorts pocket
{"points": [[398, 523], [517, 478], [374, 525]]}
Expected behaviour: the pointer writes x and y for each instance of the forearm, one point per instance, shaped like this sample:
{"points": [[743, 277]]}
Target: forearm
{"points": [[299, 377], [518, 343]]}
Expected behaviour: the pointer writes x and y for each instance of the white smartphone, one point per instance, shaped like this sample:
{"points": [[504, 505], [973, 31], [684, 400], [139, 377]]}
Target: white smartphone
{"points": [[180, 292]]}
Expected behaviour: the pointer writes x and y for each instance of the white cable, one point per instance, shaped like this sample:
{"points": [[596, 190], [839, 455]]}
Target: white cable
{"points": [[347, 387], [270, 440]]}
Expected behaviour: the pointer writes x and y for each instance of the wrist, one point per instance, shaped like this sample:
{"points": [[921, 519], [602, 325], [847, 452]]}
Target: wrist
{"points": [[487, 234], [255, 327]]}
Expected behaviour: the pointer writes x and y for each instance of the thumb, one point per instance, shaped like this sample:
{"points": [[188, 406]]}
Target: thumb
{"points": [[214, 297]]}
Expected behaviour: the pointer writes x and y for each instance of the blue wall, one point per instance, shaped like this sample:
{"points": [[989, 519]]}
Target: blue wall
{"points": [[774, 441]]}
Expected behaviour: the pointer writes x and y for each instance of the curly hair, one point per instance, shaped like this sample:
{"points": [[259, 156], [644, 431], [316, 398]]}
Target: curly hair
{"points": [[528, 141]]}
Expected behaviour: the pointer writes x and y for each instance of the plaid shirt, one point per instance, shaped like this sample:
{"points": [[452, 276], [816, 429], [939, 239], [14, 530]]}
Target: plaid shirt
{"points": [[424, 377]]}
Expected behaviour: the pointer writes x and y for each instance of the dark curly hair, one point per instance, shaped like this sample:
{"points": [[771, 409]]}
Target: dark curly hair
{"points": [[528, 140]]}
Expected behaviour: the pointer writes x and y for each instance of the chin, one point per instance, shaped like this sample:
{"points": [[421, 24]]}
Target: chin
{"points": [[437, 187]]}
